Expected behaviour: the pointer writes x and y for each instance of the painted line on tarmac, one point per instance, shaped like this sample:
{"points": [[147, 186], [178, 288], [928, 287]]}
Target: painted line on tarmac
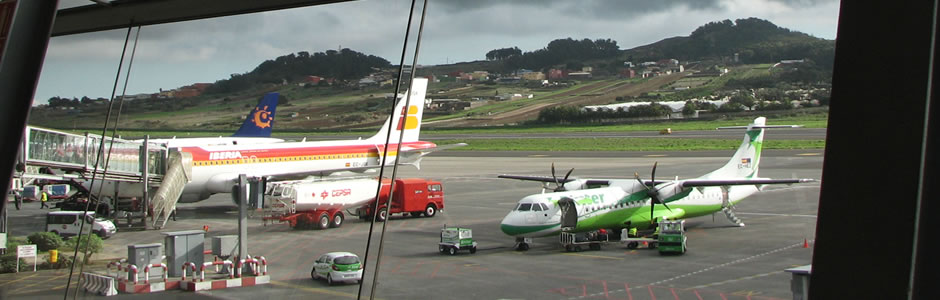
{"points": [[592, 256], [736, 279], [314, 290], [24, 278], [809, 154], [38, 282], [655, 155], [538, 155], [727, 264]]}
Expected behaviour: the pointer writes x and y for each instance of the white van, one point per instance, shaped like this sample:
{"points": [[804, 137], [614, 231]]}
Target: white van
{"points": [[66, 224]]}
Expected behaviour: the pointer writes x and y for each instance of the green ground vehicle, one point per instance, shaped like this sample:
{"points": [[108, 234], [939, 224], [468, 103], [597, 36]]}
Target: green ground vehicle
{"points": [[454, 239], [672, 239]]}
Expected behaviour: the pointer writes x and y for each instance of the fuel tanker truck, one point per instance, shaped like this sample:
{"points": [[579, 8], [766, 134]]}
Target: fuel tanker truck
{"points": [[323, 204]]}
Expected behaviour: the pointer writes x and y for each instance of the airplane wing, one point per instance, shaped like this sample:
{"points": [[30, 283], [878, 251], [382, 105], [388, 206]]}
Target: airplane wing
{"points": [[535, 178], [425, 151], [407, 157], [706, 182]]}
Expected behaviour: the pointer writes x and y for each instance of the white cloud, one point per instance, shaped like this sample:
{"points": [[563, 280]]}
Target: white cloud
{"points": [[173, 55]]}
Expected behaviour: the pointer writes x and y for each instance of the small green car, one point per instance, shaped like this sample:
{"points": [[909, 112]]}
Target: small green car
{"points": [[454, 239], [337, 267]]}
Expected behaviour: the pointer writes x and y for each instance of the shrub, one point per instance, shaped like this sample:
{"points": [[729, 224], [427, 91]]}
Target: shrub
{"points": [[91, 241], [45, 241]]}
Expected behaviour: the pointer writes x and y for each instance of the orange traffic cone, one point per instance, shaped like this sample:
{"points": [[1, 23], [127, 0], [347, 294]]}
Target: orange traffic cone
{"points": [[205, 228], [805, 243]]}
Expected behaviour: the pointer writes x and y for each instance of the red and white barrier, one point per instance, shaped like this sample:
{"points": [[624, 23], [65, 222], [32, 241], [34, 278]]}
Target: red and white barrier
{"points": [[264, 265], [147, 272], [252, 263], [202, 270], [132, 268], [260, 268], [192, 266], [127, 285], [119, 269], [224, 283]]}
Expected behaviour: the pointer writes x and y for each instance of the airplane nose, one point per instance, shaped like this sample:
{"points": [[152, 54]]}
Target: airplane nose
{"points": [[509, 225]]}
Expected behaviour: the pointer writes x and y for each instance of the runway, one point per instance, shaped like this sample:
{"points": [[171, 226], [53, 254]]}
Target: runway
{"points": [[777, 133], [724, 261]]}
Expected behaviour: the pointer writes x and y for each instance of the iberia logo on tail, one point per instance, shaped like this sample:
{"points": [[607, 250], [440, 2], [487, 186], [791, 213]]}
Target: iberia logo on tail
{"points": [[261, 117], [412, 120]]}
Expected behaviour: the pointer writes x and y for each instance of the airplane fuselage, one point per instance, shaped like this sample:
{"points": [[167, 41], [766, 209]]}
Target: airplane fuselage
{"points": [[215, 168], [614, 207]]}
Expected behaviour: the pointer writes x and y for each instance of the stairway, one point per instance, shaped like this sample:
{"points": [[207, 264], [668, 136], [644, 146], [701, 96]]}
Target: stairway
{"points": [[179, 172]]}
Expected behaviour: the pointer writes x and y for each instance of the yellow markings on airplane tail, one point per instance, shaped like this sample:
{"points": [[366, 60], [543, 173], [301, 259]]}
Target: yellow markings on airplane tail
{"points": [[592, 256], [412, 122], [412, 110], [655, 155], [809, 154]]}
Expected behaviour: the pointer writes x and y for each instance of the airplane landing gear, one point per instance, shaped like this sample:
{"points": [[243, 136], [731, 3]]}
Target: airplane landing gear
{"points": [[522, 244]]}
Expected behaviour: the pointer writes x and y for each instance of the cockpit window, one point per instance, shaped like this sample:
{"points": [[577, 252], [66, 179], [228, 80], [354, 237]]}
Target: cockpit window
{"points": [[536, 207], [525, 207], [544, 207]]}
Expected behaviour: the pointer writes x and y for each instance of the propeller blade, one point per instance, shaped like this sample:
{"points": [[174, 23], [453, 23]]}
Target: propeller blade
{"points": [[667, 207], [653, 175], [637, 175], [568, 174], [553, 174], [652, 206]]}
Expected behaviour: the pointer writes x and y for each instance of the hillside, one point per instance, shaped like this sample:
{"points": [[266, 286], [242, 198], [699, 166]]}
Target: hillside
{"points": [[336, 90], [754, 40]]}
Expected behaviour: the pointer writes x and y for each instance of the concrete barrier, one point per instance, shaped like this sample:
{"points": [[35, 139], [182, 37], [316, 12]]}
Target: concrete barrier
{"points": [[99, 284]]}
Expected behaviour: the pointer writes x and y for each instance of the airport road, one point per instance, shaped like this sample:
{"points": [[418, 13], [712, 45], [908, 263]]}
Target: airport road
{"points": [[723, 262]]}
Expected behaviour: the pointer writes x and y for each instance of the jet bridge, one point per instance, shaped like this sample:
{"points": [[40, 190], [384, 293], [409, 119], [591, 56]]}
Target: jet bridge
{"points": [[76, 156], [56, 155]]}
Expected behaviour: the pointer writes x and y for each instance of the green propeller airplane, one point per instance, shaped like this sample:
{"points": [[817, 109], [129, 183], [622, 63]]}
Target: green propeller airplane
{"points": [[582, 205]]}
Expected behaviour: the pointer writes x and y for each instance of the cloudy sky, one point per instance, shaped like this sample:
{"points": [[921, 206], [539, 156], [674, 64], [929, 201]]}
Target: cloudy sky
{"points": [[173, 55]]}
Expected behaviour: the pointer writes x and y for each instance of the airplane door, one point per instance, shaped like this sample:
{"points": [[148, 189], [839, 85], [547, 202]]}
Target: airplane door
{"points": [[569, 213]]}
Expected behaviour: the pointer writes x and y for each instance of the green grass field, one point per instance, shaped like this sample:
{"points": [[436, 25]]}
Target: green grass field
{"points": [[622, 144]]}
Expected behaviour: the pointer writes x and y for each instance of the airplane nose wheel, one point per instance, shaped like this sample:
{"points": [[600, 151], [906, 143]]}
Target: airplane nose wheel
{"points": [[522, 243]]}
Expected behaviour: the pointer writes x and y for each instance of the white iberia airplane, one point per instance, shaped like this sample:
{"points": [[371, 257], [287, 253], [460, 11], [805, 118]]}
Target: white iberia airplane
{"points": [[215, 169], [582, 205]]}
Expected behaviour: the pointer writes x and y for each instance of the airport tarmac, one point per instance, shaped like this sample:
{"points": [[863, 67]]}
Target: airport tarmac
{"points": [[723, 261]]}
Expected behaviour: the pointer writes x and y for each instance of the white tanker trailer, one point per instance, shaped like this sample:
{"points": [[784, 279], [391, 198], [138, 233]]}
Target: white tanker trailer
{"points": [[320, 203]]}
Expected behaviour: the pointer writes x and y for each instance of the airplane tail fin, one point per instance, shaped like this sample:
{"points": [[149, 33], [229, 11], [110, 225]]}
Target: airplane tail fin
{"points": [[260, 119], [744, 163], [407, 119]]}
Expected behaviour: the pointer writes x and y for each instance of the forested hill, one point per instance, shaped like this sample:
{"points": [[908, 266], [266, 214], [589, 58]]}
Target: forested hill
{"points": [[754, 40], [344, 64]]}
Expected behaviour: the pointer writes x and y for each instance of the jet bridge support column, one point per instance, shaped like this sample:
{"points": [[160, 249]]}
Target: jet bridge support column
{"points": [[144, 174], [242, 218]]}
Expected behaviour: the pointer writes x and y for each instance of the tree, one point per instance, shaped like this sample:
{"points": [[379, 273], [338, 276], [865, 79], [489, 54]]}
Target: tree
{"points": [[45, 241], [731, 107], [88, 244], [743, 99]]}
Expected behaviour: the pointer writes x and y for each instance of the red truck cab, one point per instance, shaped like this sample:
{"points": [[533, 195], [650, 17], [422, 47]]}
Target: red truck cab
{"points": [[415, 196]]}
